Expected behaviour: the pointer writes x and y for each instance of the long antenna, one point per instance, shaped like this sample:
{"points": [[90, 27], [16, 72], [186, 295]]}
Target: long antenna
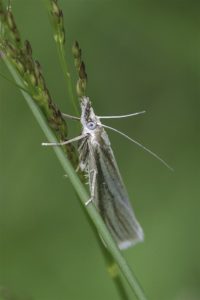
{"points": [[122, 116], [141, 146]]}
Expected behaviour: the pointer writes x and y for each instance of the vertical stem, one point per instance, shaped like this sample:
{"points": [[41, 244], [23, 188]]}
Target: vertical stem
{"points": [[114, 272], [67, 76], [57, 21]]}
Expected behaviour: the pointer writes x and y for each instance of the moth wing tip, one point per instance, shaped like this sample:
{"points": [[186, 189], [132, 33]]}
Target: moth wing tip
{"points": [[123, 245]]}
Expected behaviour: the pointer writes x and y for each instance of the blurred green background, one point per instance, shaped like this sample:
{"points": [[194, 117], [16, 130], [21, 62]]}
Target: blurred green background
{"points": [[139, 55]]}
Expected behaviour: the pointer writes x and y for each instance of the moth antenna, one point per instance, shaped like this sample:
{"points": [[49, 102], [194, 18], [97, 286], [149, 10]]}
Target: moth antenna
{"points": [[141, 146], [122, 116]]}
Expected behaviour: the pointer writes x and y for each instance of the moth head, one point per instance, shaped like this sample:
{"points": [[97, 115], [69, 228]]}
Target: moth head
{"points": [[91, 125], [89, 120]]}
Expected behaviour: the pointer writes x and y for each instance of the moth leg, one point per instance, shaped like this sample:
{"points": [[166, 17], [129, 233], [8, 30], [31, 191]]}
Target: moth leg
{"points": [[65, 142], [66, 176], [92, 187], [70, 117], [76, 170]]}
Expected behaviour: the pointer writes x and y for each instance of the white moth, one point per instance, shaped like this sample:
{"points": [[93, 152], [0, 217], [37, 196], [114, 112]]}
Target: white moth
{"points": [[106, 186], [107, 189]]}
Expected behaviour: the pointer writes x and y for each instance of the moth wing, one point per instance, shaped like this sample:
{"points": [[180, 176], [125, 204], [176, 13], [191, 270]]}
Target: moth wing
{"points": [[111, 197]]}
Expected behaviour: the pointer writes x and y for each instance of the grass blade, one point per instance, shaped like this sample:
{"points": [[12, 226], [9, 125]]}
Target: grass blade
{"points": [[82, 193]]}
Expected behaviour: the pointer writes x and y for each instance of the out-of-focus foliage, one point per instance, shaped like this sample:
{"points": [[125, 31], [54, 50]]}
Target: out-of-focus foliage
{"points": [[139, 55]]}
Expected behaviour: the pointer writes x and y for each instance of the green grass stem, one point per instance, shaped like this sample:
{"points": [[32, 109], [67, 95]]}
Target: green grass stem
{"points": [[82, 193]]}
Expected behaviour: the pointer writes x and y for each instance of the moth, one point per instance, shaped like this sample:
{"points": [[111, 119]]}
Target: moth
{"points": [[107, 189]]}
